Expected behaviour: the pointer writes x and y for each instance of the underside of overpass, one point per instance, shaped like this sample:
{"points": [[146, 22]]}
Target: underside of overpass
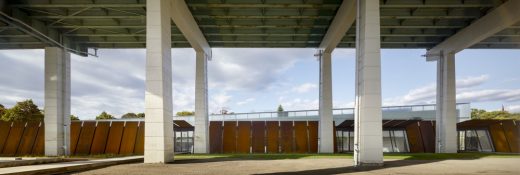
{"points": [[246, 23], [444, 27]]}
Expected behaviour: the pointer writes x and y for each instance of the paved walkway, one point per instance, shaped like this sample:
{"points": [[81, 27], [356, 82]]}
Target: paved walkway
{"points": [[322, 166], [64, 167], [12, 161]]}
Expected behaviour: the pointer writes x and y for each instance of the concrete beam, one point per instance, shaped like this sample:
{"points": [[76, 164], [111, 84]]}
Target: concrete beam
{"points": [[499, 19], [57, 102], [368, 129], [158, 146], [185, 22], [344, 18], [201, 133], [39, 30]]}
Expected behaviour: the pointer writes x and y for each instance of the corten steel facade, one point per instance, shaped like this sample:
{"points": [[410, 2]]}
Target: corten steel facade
{"points": [[444, 27], [127, 137]]}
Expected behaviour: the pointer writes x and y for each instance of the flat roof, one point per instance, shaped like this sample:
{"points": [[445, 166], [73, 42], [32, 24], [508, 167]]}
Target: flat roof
{"points": [[245, 23]]}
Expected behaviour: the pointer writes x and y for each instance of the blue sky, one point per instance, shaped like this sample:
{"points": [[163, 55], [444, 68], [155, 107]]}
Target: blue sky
{"points": [[246, 80]]}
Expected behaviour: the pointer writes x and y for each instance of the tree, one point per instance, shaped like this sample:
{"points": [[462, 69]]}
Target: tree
{"points": [[476, 113], [498, 115], [140, 115], [185, 113], [73, 117], [23, 111], [2, 110], [129, 115], [280, 108], [104, 116]]}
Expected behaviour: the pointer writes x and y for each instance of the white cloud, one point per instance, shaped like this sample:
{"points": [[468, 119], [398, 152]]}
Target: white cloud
{"points": [[466, 92], [472, 81], [300, 104], [507, 95], [513, 108], [251, 69], [303, 88], [246, 101]]}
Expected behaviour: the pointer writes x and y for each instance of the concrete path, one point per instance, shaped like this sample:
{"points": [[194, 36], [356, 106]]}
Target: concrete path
{"points": [[320, 166], [12, 161], [65, 167]]}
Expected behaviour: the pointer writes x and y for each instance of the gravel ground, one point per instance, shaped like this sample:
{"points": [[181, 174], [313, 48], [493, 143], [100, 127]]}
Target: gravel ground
{"points": [[227, 166]]}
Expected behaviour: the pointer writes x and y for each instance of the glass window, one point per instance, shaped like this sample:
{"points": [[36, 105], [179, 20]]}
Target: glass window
{"points": [[351, 143], [462, 136], [345, 141], [485, 142], [387, 142], [400, 141], [339, 141], [471, 141]]}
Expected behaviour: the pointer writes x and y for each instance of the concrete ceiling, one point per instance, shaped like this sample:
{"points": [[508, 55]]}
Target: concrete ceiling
{"points": [[82, 24]]}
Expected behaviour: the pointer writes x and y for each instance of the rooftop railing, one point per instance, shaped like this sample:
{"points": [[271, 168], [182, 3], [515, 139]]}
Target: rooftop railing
{"points": [[314, 114]]}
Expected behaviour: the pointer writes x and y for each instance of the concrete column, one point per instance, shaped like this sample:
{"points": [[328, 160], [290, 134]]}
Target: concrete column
{"points": [[368, 137], [57, 101], [201, 134], [326, 124], [446, 113], [158, 146]]}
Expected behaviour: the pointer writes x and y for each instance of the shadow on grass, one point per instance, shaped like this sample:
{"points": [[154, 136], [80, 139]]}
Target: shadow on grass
{"points": [[391, 160]]}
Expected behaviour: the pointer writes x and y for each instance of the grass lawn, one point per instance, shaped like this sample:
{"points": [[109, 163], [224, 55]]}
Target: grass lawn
{"points": [[408, 156]]}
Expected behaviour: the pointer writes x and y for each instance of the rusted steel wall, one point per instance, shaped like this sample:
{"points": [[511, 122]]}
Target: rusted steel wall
{"points": [[215, 137], [421, 136], [13, 139], [100, 138], [415, 141], [513, 136], [75, 129], [287, 139], [244, 137], [264, 137], [86, 137], [301, 139], [499, 138], [258, 137], [428, 136], [139, 140], [28, 138], [313, 136], [129, 138], [229, 138], [120, 137], [273, 137], [114, 138]]}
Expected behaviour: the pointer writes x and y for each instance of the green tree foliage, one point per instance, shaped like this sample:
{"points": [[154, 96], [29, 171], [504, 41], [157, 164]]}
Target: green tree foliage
{"points": [[2, 110], [480, 114], [104, 116], [129, 115], [73, 117], [140, 115], [185, 113], [280, 108], [23, 111]]}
